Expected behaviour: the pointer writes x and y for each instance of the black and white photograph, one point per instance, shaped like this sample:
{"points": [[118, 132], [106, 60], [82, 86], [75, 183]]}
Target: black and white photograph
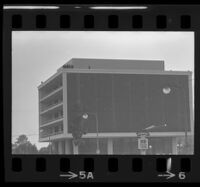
{"points": [[103, 92]]}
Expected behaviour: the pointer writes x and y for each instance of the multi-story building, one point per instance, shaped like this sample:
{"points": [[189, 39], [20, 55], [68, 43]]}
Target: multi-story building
{"points": [[121, 97]]}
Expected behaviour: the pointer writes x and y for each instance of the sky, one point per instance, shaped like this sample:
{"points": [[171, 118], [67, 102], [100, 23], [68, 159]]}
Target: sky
{"points": [[36, 55]]}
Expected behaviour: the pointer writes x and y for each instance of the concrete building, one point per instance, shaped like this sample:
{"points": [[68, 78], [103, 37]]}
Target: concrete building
{"points": [[117, 134]]}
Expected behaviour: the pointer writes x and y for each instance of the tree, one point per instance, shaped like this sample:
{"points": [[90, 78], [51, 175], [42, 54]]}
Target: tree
{"points": [[46, 150], [23, 146], [77, 128], [22, 139]]}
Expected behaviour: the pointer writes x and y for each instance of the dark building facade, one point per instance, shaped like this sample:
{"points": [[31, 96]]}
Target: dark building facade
{"points": [[120, 99]]}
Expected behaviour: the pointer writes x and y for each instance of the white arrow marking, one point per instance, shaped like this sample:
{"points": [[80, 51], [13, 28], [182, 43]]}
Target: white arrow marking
{"points": [[168, 175], [70, 174]]}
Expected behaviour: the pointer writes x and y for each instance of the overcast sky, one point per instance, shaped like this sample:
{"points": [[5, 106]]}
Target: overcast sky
{"points": [[36, 55]]}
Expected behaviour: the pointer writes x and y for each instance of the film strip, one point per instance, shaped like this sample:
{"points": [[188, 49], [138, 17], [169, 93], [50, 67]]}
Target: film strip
{"points": [[92, 167]]}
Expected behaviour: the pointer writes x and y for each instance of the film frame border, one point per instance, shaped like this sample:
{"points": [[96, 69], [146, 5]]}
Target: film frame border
{"points": [[106, 168]]}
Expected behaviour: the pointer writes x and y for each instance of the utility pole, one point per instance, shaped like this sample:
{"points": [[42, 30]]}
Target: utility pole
{"points": [[85, 116], [97, 131]]}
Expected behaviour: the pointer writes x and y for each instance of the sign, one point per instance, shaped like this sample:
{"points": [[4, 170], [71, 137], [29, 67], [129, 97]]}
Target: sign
{"points": [[143, 134], [143, 143]]}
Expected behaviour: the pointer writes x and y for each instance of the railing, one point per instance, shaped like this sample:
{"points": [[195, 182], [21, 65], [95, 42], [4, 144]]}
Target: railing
{"points": [[51, 134], [51, 120], [50, 92], [51, 106]]}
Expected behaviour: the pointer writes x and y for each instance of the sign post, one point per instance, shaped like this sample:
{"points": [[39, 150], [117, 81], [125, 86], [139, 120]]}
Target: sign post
{"points": [[143, 142]]}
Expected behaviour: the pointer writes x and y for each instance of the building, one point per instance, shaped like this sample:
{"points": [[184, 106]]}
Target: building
{"points": [[121, 98]]}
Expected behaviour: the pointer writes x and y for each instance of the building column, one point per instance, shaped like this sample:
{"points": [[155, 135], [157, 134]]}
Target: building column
{"points": [[54, 147], [65, 121], [110, 146], [60, 147], [68, 146], [174, 146], [75, 149]]}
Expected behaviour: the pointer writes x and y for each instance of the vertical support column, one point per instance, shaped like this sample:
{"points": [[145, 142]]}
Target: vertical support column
{"points": [[39, 109], [54, 147], [174, 146], [75, 149], [68, 146], [60, 147], [143, 151], [110, 146], [64, 83], [191, 108], [113, 103]]}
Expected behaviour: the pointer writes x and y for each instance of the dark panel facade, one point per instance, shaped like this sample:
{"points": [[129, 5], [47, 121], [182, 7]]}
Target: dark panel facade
{"points": [[129, 102]]}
